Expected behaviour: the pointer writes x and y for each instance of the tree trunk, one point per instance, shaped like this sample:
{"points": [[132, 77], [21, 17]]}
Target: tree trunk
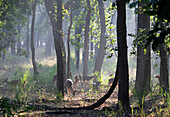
{"points": [[123, 92], [164, 75], [13, 45], [86, 41], [19, 40], [101, 53], [78, 30], [28, 36], [57, 33], [91, 47], [68, 41], [143, 72], [48, 43], [32, 39]]}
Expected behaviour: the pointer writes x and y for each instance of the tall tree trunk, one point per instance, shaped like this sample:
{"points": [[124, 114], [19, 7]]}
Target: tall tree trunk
{"points": [[48, 42], [164, 75], [28, 36], [19, 40], [13, 45], [123, 92], [143, 72], [101, 51], [58, 40], [86, 41], [78, 30], [68, 40], [38, 39], [32, 39], [91, 47]]}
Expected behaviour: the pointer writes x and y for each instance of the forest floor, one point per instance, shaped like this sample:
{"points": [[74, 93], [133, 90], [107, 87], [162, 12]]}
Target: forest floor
{"points": [[39, 96]]}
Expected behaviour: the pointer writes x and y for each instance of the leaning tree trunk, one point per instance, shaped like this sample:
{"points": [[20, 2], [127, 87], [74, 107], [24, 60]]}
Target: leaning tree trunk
{"points": [[123, 92], [86, 41], [101, 51], [58, 41], [68, 40], [143, 72], [164, 75], [32, 39]]}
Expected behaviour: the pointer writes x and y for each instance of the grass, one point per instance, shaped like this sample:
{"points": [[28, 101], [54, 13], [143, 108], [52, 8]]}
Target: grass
{"points": [[42, 89]]}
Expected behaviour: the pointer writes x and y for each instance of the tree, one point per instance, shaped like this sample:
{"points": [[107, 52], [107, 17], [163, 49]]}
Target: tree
{"points": [[164, 75], [58, 41], [32, 39], [48, 42], [78, 29], [143, 72], [101, 51], [123, 92], [19, 39], [68, 40], [28, 36], [159, 9], [86, 41]]}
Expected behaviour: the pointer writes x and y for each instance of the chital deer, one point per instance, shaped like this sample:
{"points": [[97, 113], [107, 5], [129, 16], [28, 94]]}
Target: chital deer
{"points": [[80, 78], [14, 83], [75, 80], [110, 81], [69, 86], [96, 85], [87, 78], [54, 78], [157, 76]]}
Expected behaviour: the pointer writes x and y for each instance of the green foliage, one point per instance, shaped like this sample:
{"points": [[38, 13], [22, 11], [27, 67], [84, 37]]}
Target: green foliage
{"points": [[6, 107], [11, 13], [160, 10]]}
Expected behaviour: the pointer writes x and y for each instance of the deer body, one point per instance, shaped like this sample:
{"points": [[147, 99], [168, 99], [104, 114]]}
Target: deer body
{"points": [[110, 81], [75, 80], [69, 86], [14, 82]]}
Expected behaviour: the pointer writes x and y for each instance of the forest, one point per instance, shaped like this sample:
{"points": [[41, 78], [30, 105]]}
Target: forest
{"points": [[80, 58]]}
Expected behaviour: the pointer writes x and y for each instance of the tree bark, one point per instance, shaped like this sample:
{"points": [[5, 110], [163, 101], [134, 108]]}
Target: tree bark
{"points": [[57, 33], [13, 45], [123, 92], [164, 75], [101, 51], [68, 40], [48, 42], [78, 30], [28, 40], [32, 40], [86, 41], [91, 47], [143, 72], [19, 40]]}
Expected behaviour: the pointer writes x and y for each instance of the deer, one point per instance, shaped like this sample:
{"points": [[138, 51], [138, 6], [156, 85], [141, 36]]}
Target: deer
{"points": [[75, 80], [157, 76], [54, 78], [69, 86], [110, 81], [14, 83], [96, 85]]}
